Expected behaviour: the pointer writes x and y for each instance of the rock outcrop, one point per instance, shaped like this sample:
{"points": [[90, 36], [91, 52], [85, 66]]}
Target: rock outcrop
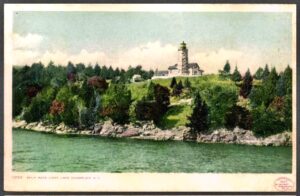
{"points": [[147, 130]]}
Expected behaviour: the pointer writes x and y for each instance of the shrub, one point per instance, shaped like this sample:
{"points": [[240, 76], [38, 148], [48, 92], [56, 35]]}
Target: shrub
{"points": [[238, 116]]}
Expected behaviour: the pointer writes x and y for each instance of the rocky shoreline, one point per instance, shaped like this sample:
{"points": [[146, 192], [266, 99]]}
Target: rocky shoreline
{"points": [[148, 131]]}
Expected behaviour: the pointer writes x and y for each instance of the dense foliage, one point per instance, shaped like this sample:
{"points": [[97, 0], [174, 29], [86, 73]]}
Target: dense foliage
{"points": [[80, 96], [271, 102]]}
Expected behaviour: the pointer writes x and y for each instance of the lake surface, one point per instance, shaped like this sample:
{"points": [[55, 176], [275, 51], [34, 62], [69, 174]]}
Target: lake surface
{"points": [[41, 152]]}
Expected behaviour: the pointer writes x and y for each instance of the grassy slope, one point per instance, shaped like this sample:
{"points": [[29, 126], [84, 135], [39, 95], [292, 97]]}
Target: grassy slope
{"points": [[177, 114]]}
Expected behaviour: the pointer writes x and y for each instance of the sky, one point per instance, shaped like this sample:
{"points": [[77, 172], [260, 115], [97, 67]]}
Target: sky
{"points": [[151, 39]]}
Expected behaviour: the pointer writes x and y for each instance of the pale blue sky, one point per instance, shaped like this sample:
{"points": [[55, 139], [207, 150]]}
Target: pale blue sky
{"points": [[264, 37]]}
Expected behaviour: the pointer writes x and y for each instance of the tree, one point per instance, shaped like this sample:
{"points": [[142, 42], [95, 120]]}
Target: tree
{"points": [[265, 93], [269, 85], [150, 91], [111, 73], [147, 110], [104, 72], [259, 73], [80, 67], [71, 72], [198, 121], [266, 72], [238, 116], [226, 68], [246, 85], [116, 102], [89, 71], [39, 105], [173, 82], [162, 97], [266, 122], [187, 83], [72, 106], [98, 83], [280, 86], [287, 77], [97, 70], [215, 97], [177, 89], [154, 105], [236, 76]]}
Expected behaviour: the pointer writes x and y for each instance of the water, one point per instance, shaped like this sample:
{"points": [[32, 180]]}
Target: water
{"points": [[41, 152]]}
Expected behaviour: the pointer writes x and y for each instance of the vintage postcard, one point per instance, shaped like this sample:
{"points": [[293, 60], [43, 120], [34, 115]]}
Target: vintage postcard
{"points": [[150, 97]]}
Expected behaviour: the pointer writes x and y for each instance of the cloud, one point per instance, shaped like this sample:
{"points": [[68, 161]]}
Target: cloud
{"points": [[25, 57], [61, 57], [150, 55], [212, 61], [30, 41]]}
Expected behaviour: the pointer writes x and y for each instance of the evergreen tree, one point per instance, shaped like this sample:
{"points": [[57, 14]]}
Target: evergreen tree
{"points": [[226, 68], [246, 85], [173, 82], [280, 86], [269, 85], [287, 77], [259, 73], [89, 71], [97, 70], [198, 121], [266, 72], [71, 72], [111, 72], [177, 89], [80, 67], [236, 76], [162, 97], [187, 83], [104, 72]]}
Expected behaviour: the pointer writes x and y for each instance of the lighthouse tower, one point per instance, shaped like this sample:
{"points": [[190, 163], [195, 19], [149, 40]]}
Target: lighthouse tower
{"points": [[183, 60]]}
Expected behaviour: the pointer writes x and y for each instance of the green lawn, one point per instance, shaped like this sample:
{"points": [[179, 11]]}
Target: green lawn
{"points": [[177, 114]]}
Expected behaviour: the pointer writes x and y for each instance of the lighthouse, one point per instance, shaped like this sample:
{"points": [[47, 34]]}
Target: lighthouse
{"points": [[183, 59]]}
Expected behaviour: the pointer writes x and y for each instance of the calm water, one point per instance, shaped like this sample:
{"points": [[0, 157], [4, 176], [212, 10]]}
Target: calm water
{"points": [[33, 151]]}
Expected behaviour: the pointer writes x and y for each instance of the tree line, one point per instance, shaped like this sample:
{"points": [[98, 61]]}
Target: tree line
{"points": [[265, 108], [80, 96]]}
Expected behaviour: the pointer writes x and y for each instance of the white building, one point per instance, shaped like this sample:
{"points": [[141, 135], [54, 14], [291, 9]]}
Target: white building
{"points": [[136, 78]]}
